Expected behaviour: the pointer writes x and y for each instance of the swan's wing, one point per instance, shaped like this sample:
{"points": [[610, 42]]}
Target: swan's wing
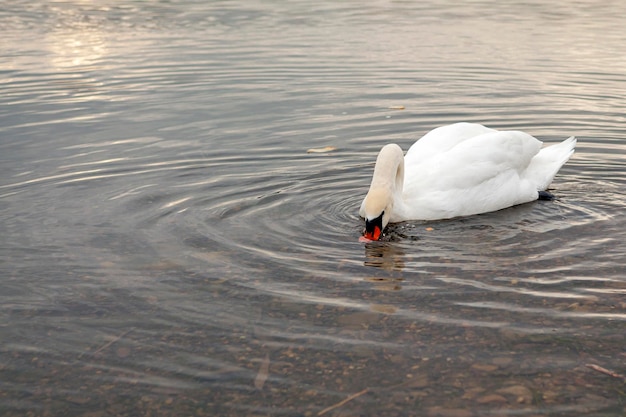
{"points": [[474, 160], [482, 173], [442, 139]]}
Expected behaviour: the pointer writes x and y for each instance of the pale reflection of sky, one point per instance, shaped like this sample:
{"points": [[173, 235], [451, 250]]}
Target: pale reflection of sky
{"points": [[75, 47]]}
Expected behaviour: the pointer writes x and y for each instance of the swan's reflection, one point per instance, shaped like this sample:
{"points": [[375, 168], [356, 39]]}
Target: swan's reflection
{"points": [[385, 255]]}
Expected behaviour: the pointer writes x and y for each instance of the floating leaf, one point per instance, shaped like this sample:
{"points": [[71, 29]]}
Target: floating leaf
{"points": [[321, 150]]}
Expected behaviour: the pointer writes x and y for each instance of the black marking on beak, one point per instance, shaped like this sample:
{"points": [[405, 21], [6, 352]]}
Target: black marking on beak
{"points": [[371, 225]]}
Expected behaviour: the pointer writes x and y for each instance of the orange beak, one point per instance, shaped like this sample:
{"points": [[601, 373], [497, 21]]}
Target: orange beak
{"points": [[374, 227], [372, 234]]}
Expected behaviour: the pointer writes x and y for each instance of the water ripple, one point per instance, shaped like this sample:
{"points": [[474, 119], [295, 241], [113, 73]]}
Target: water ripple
{"points": [[166, 233]]}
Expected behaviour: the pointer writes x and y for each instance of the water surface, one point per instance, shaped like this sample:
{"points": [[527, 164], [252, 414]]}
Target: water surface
{"points": [[169, 247]]}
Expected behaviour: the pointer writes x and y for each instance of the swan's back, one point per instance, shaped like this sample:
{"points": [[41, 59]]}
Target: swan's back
{"points": [[442, 139]]}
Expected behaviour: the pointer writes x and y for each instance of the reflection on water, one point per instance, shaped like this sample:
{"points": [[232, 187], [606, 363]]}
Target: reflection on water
{"points": [[386, 256], [169, 246], [80, 46]]}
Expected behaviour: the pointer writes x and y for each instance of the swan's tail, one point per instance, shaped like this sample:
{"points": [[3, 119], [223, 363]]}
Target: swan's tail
{"points": [[544, 166]]}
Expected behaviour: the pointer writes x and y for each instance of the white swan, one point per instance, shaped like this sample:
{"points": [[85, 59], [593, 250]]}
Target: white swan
{"points": [[459, 170]]}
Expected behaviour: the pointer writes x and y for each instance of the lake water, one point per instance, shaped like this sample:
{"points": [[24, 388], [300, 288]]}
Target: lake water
{"points": [[169, 247]]}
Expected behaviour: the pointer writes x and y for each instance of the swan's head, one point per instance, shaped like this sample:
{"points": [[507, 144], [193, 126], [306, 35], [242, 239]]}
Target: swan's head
{"points": [[376, 208]]}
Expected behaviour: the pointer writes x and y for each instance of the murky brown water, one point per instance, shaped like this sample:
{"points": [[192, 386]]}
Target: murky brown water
{"points": [[169, 247]]}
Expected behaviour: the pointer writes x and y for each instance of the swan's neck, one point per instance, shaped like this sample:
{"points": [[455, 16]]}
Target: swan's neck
{"points": [[389, 170], [385, 192], [384, 198]]}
